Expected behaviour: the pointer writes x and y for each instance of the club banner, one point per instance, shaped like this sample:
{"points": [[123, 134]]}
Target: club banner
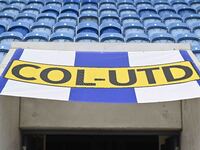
{"points": [[109, 77]]}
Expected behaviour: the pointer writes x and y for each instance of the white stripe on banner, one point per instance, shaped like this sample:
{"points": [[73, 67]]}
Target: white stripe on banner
{"points": [[41, 91], [162, 93]]}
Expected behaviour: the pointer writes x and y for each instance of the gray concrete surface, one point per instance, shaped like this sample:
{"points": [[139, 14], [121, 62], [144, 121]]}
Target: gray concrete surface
{"points": [[9, 123]]}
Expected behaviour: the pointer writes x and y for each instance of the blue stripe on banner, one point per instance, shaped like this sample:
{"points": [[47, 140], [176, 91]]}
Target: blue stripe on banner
{"points": [[105, 59], [16, 56], [187, 57]]}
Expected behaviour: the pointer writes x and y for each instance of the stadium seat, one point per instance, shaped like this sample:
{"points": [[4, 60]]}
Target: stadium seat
{"points": [[37, 3], [87, 37], [130, 19], [89, 18], [4, 3], [46, 17], [109, 18], [178, 28], [142, 3], [61, 37], [166, 10], [36, 37], [88, 28], [186, 10], [7, 37], [146, 10], [31, 9], [151, 18], [67, 17], [108, 10], [20, 27], [42, 27], [70, 9], [137, 38], [172, 18], [26, 17], [153, 28], [2, 27], [160, 3], [6, 18], [111, 38], [196, 29], [89, 10], [196, 48], [191, 19], [178, 3], [127, 10], [51, 10], [198, 10], [162, 38], [194, 3], [125, 3], [107, 3], [65, 27], [188, 38], [110, 27], [14, 10], [72, 3], [19, 3], [89, 3], [54, 3], [133, 28]]}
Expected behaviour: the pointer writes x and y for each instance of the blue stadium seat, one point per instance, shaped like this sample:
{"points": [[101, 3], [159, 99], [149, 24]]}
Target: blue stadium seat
{"points": [[54, 3], [107, 3], [183, 11], [87, 37], [130, 19], [142, 3], [70, 9], [14, 10], [89, 10], [110, 27], [191, 19], [151, 18], [67, 17], [36, 37], [137, 38], [196, 49], [42, 27], [2, 27], [153, 28], [65, 27], [125, 3], [88, 28], [89, 2], [26, 17], [198, 10], [146, 10], [89, 18], [162, 38], [133, 28], [173, 18], [111, 38], [61, 37], [196, 29], [109, 18], [194, 3], [178, 28], [19, 3], [178, 3], [72, 3], [51, 10], [166, 10], [37, 3], [188, 38], [31, 9], [6, 18], [160, 3], [8, 37], [4, 3], [108, 10], [127, 10], [20, 27], [46, 17]]}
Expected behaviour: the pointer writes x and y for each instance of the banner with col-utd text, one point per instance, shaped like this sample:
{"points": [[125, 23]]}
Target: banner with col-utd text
{"points": [[108, 77]]}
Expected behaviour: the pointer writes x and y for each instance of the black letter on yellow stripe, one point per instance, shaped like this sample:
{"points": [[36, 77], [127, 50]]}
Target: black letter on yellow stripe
{"points": [[149, 74], [16, 71], [113, 78], [66, 77], [169, 76], [80, 78]]}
